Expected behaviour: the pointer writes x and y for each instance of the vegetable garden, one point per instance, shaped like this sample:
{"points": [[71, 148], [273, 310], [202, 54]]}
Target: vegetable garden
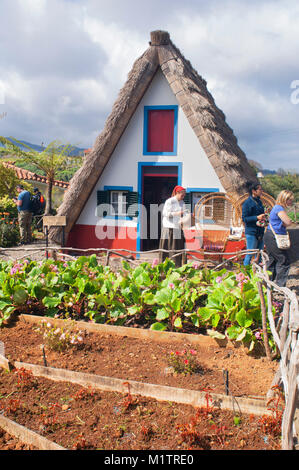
{"points": [[158, 296]]}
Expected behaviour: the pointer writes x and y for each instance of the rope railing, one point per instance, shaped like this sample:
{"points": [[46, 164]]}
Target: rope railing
{"points": [[119, 252], [285, 330]]}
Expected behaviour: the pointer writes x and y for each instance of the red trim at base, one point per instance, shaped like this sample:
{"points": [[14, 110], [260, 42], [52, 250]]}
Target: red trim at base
{"points": [[85, 236]]}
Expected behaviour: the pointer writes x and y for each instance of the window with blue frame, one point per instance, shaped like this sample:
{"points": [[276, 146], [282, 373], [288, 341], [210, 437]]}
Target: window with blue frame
{"points": [[160, 130], [117, 202]]}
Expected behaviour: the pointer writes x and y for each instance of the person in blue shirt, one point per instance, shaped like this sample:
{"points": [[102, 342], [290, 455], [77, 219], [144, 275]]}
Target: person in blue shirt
{"points": [[23, 203], [279, 263], [252, 212]]}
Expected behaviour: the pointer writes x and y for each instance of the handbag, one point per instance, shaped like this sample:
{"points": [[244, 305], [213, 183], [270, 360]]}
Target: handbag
{"points": [[235, 233], [283, 241], [187, 221]]}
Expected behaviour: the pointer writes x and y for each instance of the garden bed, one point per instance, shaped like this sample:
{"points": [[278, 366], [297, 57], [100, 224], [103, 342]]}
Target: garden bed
{"points": [[78, 418], [84, 418], [125, 357]]}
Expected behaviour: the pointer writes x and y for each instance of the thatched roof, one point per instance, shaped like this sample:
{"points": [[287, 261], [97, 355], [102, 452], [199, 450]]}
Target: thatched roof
{"points": [[206, 119]]}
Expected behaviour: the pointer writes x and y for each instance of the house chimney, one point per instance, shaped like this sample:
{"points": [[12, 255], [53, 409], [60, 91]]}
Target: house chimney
{"points": [[159, 38]]}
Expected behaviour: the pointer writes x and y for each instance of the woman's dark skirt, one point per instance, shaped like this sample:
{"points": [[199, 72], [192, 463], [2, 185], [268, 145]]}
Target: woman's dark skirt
{"points": [[172, 239], [278, 263]]}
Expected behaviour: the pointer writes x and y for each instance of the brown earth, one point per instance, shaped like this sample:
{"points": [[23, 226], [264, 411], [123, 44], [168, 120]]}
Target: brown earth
{"points": [[146, 361], [84, 419], [78, 418], [9, 442]]}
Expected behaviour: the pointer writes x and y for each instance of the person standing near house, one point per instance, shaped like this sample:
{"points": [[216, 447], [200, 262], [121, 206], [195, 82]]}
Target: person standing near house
{"points": [[279, 263], [23, 203], [172, 235], [38, 202], [253, 213]]}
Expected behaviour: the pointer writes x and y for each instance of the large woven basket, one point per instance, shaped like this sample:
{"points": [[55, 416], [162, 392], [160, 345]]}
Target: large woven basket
{"points": [[219, 209], [267, 200], [214, 215]]}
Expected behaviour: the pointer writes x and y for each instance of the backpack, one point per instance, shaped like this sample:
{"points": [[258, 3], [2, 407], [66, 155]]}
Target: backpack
{"points": [[42, 203], [37, 204]]}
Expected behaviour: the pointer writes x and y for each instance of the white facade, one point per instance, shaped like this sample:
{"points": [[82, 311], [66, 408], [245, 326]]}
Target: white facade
{"points": [[122, 168]]}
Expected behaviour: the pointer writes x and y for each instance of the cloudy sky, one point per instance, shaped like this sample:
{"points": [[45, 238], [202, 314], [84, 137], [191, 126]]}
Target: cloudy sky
{"points": [[62, 63]]}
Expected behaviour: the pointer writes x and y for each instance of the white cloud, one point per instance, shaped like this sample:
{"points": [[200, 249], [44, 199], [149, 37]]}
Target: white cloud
{"points": [[63, 62], [121, 46], [239, 38], [247, 52]]}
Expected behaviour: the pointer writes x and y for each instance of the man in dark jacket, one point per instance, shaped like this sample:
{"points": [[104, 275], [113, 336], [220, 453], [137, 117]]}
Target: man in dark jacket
{"points": [[252, 212], [23, 203], [38, 202]]}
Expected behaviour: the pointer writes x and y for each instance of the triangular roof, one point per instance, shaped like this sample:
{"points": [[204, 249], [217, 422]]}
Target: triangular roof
{"points": [[205, 118]]}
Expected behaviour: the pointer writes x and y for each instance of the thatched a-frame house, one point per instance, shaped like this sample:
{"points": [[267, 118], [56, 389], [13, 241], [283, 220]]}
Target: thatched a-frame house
{"points": [[205, 154]]}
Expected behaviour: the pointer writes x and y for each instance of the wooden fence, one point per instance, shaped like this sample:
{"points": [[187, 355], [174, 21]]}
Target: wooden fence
{"points": [[285, 332]]}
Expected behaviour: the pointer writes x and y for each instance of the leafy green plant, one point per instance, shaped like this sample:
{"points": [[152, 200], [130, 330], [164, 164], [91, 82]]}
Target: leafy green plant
{"points": [[232, 309], [294, 216], [8, 207], [225, 304], [9, 233]]}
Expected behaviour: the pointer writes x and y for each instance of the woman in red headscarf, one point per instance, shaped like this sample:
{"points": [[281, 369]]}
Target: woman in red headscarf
{"points": [[172, 235]]}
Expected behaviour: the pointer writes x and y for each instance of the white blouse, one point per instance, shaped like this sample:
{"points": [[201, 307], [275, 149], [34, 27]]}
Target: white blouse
{"points": [[171, 206]]}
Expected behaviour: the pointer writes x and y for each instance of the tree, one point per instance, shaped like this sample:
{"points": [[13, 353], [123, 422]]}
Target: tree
{"points": [[273, 184], [255, 165], [8, 182], [52, 160]]}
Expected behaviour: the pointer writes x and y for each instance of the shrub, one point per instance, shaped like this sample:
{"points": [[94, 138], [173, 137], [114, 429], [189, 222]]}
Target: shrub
{"points": [[8, 206], [9, 232]]}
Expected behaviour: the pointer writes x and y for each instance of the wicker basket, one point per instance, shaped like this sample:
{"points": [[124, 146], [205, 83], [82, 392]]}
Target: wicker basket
{"points": [[219, 209], [215, 214], [267, 200]]}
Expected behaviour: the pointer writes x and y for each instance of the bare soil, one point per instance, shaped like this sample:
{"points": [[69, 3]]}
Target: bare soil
{"points": [[84, 419], [146, 361], [9, 442], [78, 418]]}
